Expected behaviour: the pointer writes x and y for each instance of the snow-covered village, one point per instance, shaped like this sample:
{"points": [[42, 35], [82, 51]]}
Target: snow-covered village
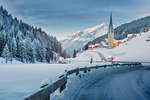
{"points": [[74, 50]]}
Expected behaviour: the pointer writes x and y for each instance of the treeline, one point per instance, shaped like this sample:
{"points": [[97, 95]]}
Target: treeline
{"points": [[24, 42]]}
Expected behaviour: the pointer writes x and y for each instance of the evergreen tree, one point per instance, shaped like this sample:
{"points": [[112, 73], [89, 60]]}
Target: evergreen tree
{"points": [[6, 53], [30, 55], [26, 43], [74, 54], [22, 51], [14, 47], [2, 43], [39, 51]]}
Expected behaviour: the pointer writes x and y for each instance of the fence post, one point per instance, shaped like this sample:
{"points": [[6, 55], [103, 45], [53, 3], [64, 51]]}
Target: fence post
{"points": [[85, 69], [89, 69], [77, 71]]}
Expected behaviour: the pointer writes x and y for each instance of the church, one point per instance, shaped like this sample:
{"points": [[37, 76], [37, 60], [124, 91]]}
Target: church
{"points": [[110, 33], [106, 41]]}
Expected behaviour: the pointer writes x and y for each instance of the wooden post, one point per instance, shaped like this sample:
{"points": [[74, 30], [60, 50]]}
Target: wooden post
{"points": [[85, 70]]}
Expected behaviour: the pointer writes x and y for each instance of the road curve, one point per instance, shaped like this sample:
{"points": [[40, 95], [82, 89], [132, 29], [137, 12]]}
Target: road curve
{"points": [[133, 85], [100, 55]]}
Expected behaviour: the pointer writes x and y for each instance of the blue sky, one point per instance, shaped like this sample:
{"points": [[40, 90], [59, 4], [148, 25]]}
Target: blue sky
{"points": [[63, 17]]}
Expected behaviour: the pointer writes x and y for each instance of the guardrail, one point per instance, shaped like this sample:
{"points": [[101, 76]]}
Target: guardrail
{"points": [[47, 90]]}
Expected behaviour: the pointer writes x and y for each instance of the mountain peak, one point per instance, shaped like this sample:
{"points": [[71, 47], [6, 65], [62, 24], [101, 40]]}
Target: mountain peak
{"points": [[78, 39], [89, 30]]}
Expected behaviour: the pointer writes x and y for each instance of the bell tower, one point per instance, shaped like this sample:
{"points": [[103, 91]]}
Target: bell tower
{"points": [[110, 33]]}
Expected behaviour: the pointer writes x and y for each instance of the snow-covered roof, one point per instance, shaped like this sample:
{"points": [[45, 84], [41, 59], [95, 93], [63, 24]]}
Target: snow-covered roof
{"points": [[96, 44], [104, 44], [91, 45]]}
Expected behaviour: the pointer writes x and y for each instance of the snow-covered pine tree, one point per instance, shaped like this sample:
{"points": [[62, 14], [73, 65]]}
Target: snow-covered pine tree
{"points": [[40, 47], [14, 47], [38, 50], [22, 51], [30, 55], [2, 43], [6, 53]]}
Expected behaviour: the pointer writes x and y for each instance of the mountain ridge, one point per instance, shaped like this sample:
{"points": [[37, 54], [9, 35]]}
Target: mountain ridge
{"points": [[78, 39]]}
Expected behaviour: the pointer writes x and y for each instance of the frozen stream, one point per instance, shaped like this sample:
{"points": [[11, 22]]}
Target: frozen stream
{"points": [[132, 85]]}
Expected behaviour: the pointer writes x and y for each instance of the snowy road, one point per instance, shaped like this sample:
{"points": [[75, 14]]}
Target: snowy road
{"points": [[133, 85], [100, 55]]}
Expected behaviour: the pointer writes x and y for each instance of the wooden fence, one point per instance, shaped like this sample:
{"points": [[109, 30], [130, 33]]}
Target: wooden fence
{"points": [[45, 92]]}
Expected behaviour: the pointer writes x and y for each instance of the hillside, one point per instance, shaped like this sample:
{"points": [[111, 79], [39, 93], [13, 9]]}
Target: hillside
{"points": [[134, 27], [24, 42], [134, 50], [78, 39], [122, 31]]}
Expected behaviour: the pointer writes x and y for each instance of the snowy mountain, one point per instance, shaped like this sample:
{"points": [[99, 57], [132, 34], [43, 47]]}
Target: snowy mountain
{"points": [[122, 31], [24, 42], [78, 39]]}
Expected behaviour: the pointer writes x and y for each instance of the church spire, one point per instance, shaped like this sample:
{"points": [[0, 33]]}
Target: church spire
{"points": [[110, 33], [111, 23]]}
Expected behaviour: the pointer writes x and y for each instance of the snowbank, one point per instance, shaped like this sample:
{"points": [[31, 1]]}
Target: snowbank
{"points": [[3, 61], [20, 80]]}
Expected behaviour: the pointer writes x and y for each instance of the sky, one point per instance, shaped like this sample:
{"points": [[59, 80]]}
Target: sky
{"points": [[61, 18]]}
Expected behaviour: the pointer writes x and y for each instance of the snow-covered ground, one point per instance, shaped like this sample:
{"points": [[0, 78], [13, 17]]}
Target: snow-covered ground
{"points": [[137, 49], [20, 80], [3, 61], [86, 57]]}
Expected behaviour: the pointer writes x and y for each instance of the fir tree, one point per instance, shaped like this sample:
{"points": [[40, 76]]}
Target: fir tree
{"points": [[6, 53], [26, 43], [14, 47]]}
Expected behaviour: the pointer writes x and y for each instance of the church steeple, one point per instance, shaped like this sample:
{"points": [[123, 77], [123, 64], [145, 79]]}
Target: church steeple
{"points": [[110, 33], [111, 23]]}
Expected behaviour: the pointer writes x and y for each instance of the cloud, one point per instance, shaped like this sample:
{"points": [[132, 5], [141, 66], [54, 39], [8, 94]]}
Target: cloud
{"points": [[75, 13]]}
